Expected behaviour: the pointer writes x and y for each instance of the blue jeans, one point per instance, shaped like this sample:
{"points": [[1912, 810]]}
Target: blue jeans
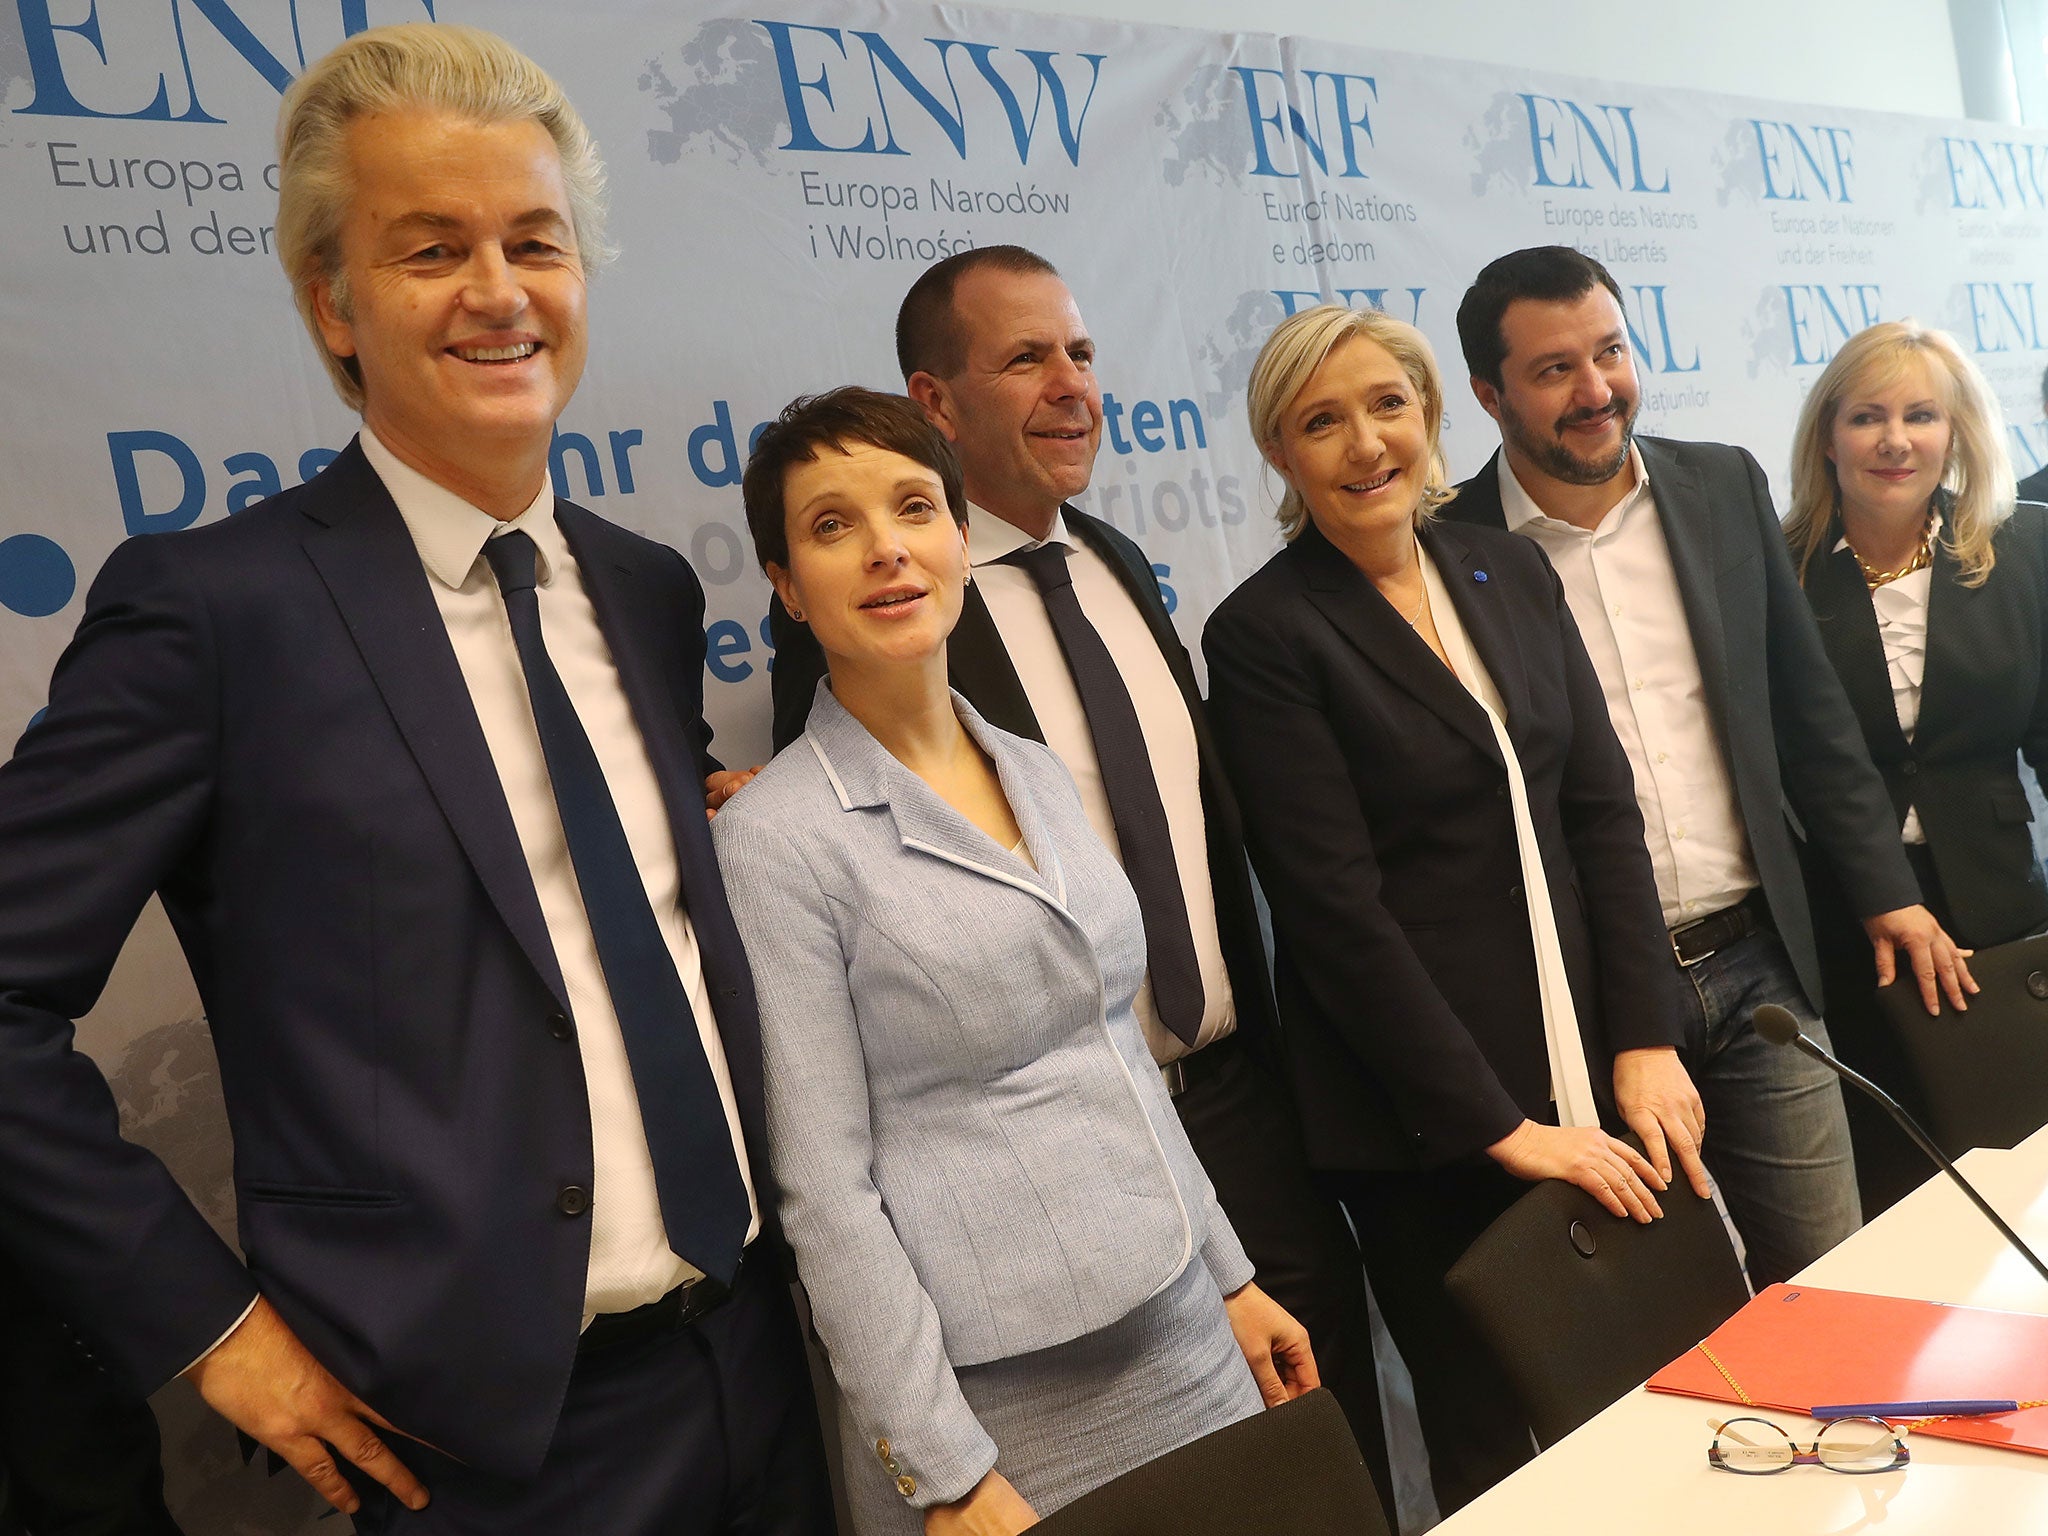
{"points": [[1777, 1139]]}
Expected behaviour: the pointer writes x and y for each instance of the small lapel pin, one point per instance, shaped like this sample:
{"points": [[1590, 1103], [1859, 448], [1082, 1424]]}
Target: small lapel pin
{"points": [[1479, 575]]}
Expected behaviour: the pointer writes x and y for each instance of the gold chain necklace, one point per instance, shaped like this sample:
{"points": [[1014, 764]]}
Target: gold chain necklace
{"points": [[1922, 557]]}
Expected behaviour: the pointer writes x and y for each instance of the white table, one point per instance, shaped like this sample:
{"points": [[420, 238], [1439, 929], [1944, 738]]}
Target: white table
{"points": [[1641, 1466]]}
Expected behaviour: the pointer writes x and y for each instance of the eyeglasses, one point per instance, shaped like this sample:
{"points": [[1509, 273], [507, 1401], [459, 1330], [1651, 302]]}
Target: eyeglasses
{"points": [[1757, 1447]]}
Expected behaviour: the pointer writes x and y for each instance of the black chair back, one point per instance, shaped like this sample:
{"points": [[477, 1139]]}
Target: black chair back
{"points": [[1580, 1306], [1294, 1468], [1984, 1071]]}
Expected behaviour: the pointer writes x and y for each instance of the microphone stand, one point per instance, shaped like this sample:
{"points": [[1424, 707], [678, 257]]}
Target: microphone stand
{"points": [[1924, 1142]]}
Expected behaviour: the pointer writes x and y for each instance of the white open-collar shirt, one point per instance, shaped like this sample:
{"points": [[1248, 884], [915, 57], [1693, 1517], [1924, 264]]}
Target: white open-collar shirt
{"points": [[1624, 596], [1020, 617]]}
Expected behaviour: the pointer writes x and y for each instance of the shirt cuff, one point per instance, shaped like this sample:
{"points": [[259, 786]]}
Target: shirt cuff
{"points": [[216, 1344]]}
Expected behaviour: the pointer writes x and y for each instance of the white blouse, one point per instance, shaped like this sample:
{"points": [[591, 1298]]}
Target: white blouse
{"points": [[1901, 609]]}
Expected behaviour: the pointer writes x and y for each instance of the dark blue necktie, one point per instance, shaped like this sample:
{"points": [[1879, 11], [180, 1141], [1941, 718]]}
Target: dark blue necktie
{"points": [[1132, 790], [703, 1201]]}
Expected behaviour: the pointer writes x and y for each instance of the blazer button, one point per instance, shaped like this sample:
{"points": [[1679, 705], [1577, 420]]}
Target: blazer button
{"points": [[572, 1200], [1514, 893], [1501, 790], [560, 1027], [1909, 769], [906, 1485], [882, 1449]]}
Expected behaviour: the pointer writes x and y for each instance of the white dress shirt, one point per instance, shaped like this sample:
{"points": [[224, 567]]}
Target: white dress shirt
{"points": [[1624, 595], [1901, 609], [630, 1259], [1020, 617]]}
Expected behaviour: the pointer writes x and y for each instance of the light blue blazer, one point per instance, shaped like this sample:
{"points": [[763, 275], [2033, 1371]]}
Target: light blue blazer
{"points": [[975, 1155]]}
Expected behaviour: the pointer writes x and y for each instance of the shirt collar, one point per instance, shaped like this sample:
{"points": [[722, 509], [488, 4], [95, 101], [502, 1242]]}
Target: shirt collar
{"points": [[1519, 507], [447, 531], [990, 538]]}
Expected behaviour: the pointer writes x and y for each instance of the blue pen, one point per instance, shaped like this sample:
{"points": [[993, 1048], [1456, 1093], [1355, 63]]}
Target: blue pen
{"points": [[1950, 1408]]}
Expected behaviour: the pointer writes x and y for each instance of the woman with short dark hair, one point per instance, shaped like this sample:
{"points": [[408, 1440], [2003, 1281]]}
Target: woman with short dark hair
{"points": [[1015, 1262]]}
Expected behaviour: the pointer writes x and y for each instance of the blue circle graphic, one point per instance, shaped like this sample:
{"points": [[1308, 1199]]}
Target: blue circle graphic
{"points": [[36, 576]]}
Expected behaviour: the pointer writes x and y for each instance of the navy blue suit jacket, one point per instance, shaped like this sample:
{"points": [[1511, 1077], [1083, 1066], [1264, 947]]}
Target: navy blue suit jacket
{"points": [[263, 720]]}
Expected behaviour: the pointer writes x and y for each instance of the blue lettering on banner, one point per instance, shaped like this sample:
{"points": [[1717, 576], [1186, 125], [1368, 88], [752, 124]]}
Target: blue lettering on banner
{"points": [[2029, 445], [1823, 317], [2004, 317], [1998, 175], [1278, 125], [841, 97], [1561, 132], [1649, 331], [1804, 164], [36, 577], [54, 95], [1167, 596], [1150, 424], [573, 447], [724, 643], [1294, 299]]}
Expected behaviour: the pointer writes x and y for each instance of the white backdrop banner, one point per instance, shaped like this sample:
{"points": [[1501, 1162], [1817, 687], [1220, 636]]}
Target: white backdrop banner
{"points": [[779, 178]]}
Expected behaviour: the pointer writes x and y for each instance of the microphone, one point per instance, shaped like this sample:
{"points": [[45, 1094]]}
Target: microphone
{"points": [[1778, 1026]]}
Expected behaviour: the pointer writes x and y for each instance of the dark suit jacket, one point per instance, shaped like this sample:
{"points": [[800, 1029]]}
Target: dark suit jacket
{"points": [[2035, 486], [1376, 803], [263, 720], [1983, 700], [1791, 740], [979, 666]]}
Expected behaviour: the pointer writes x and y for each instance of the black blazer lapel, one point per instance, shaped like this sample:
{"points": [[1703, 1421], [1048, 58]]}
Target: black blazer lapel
{"points": [[641, 634], [1143, 588], [1481, 605], [1955, 618], [1478, 499], [1688, 518], [360, 546], [1354, 607], [1842, 611], [978, 665]]}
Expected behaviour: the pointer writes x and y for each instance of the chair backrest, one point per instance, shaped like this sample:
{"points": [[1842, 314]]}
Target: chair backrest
{"points": [[1580, 1306], [1984, 1071], [1294, 1468]]}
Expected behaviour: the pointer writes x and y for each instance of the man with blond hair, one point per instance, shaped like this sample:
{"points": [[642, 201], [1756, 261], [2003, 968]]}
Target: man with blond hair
{"points": [[414, 754]]}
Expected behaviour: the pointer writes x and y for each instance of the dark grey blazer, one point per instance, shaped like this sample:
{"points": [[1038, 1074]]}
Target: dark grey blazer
{"points": [[1793, 745], [1982, 703]]}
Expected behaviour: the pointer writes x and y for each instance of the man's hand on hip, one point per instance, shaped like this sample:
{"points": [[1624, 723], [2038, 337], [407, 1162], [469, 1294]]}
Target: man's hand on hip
{"points": [[263, 1381], [1938, 963]]}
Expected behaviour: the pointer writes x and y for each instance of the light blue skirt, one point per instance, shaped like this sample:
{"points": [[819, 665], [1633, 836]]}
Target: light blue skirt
{"points": [[1070, 1418]]}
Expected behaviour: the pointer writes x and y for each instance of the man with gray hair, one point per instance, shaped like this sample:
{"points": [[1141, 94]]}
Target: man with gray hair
{"points": [[414, 754]]}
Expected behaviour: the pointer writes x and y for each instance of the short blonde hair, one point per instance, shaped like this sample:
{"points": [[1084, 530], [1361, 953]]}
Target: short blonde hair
{"points": [[419, 65], [1294, 352], [1978, 474]]}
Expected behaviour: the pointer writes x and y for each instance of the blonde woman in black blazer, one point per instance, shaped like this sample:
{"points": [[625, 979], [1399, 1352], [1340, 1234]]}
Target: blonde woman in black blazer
{"points": [[1930, 590], [1381, 812]]}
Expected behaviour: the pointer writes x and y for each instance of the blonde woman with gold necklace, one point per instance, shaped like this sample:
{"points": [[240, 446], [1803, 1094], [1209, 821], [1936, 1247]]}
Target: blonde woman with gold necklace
{"points": [[1930, 587]]}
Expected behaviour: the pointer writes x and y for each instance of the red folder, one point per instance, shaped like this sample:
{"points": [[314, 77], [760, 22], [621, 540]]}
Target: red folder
{"points": [[1796, 1345]]}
